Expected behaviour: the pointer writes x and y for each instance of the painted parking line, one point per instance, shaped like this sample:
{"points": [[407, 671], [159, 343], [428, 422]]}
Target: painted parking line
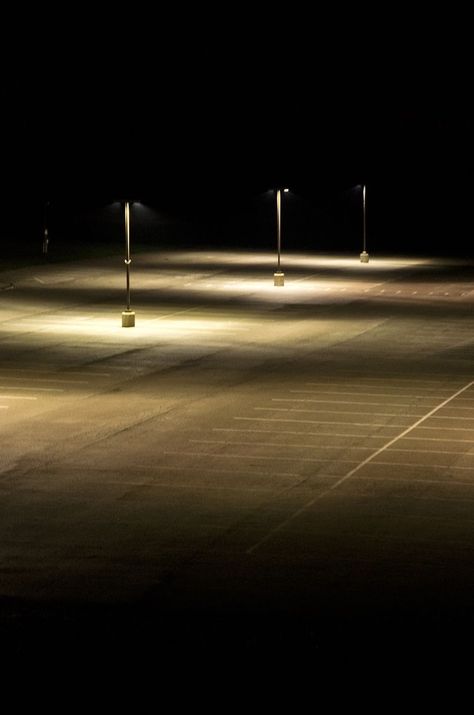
{"points": [[363, 393], [372, 458], [271, 458], [302, 433], [45, 379], [423, 466], [371, 380], [319, 422], [276, 444], [17, 397], [41, 371], [447, 417], [448, 429], [438, 439], [340, 402], [430, 451], [32, 389], [333, 412]]}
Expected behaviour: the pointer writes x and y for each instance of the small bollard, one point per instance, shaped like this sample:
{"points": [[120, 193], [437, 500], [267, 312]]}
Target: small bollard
{"points": [[128, 319], [279, 278]]}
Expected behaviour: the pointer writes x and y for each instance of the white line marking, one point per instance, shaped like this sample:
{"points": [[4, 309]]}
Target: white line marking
{"points": [[218, 455], [253, 472], [276, 444], [32, 389], [423, 466], [16, 397], [409, 429], [353, 471], [367, 394], [384, 381], [459, 407], [304, 433], [193, 487], [448, 429], [415, 480], [340, 402], [341, 412], [47, 379], [90, 373], [447, 417], [319, 422], [437, 439], [429, 451]]}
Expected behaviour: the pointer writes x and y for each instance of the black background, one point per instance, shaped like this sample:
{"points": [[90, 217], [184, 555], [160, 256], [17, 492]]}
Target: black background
{"points": [[198, 113]]}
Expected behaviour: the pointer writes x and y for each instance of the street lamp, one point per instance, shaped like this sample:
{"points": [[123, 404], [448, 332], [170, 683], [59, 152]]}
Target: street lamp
{"points": [[45, 228], [128, 315], [364, 256], [279, 276]]}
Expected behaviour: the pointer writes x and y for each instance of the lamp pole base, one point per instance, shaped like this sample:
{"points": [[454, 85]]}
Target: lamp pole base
{"points": [[128, 319], [364, 257], [278, 278]]}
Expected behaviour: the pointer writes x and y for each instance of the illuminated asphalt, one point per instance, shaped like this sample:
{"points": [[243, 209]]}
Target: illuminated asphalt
{"points": [[251, 468]]}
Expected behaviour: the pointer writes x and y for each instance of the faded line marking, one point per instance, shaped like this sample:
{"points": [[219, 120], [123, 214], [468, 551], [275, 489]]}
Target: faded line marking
{"points": [[334, 412], [430, 451], [447, 417], [449, 429], [384, 380], [353, 471], [16, 397], [437, 439], [423, 466], [275, 444], [319, 422], [372, 394], [32, 389], [303, 433], [216, 455], [344, 402], [47, 379]]}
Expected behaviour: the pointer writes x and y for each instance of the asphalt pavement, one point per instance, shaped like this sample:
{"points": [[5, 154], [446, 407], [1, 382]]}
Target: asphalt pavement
{"points": [[251, 471]]}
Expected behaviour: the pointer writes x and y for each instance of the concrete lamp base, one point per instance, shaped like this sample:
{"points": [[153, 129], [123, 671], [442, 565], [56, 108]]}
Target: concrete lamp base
{"points": [[364, 257], [128, 319], [278, 278]]}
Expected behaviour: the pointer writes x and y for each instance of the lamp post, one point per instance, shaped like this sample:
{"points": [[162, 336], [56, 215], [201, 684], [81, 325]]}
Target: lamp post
{"points": [[279, 276], [45, 228], [364, 256], [128, 315]]}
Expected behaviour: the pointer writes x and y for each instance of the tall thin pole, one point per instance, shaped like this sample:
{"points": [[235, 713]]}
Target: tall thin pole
{"points": [[363, 213], [278, 202], [128, 260], [45, 228]]}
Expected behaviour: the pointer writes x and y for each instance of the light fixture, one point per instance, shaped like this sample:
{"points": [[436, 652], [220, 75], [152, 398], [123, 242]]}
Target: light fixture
{"points": [[128, 315], [279, 276], [364, 256]]}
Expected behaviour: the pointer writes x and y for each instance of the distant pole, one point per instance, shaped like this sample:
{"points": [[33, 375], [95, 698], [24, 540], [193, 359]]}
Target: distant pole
{"points": [[45, 228], [128, 260], [278, 276], [364, 256], [278, 198], [128, 315]]}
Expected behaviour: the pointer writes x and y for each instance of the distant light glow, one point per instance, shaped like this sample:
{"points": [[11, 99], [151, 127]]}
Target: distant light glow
{"points": [[286, 190]]}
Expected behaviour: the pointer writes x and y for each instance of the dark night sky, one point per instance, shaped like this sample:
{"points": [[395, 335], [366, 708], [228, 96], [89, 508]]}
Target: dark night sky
{"points": [[123, 106]]}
